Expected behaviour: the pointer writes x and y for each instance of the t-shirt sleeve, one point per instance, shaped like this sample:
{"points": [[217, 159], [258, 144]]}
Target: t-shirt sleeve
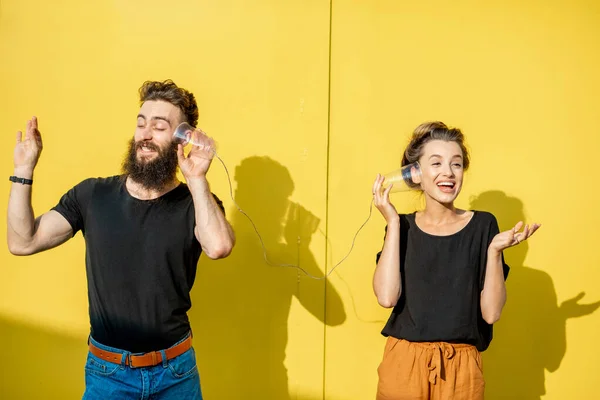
{"points": [[73, 204], [492, 231]]}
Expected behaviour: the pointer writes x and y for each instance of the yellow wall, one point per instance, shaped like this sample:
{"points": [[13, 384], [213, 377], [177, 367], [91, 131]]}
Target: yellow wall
{"points": [[303, 133], [521, 79], [259, 70]]}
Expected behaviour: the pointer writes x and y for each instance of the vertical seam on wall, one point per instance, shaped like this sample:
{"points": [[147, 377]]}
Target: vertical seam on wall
{"points": [[327, 199]]}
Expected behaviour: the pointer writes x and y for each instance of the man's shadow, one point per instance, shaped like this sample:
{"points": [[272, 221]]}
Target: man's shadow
{"points": [[530, 337], [241, 304]]}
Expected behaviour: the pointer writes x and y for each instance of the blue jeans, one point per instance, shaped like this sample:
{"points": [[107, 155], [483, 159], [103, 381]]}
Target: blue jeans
{"points": [[177, 378]]}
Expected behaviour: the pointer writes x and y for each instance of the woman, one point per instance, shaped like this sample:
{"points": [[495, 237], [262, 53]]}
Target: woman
{"points": [[443, 272]]}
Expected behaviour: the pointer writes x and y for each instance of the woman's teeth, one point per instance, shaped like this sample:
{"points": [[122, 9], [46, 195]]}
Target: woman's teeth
{"points": [[448, 184]]}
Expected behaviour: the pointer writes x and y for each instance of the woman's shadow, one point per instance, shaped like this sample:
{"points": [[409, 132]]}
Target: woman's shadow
{"points": [[530, 338], [241, 304]]}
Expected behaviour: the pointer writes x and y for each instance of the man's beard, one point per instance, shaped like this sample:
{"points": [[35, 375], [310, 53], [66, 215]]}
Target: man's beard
{"points": [[151, 174]]}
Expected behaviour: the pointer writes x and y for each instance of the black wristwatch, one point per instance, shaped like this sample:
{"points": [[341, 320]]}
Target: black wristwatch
{"points": [[22, 181]]}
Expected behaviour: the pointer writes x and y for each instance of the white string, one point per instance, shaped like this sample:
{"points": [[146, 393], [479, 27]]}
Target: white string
{"points": [[262, 243]]}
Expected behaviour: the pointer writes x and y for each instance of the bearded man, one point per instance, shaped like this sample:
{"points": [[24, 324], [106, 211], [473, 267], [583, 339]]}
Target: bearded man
{"points": [[144, 232]]}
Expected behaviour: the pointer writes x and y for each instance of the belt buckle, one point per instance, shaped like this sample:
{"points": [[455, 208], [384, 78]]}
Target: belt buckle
{"points": [[128, 360]]}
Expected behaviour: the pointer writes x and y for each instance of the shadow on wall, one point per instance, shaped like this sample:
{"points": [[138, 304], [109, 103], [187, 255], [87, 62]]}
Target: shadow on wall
{"points": [[241, 304], [530, 338], [40, 364]]}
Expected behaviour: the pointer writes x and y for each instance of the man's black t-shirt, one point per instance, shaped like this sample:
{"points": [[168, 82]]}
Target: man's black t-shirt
{"points": [[442, 279], [141, 258]]}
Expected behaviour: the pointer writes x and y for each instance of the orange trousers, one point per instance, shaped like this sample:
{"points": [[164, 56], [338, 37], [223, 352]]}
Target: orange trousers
{"points": [[430, 371]]}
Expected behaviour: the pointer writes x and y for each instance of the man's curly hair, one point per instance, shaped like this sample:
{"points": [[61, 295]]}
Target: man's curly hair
{"points": [[168, 91]]}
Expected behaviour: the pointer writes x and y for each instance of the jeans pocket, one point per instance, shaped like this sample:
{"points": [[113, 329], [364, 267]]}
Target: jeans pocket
{"points": [[98, 366], [184, 364]]}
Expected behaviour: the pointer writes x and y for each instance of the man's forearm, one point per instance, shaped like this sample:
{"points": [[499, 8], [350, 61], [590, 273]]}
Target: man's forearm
{"points": [[212, 229], [20, 216]]}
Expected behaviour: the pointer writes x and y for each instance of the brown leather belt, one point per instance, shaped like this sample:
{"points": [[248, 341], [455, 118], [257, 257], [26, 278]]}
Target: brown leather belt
{"points": [[143, 360]]}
